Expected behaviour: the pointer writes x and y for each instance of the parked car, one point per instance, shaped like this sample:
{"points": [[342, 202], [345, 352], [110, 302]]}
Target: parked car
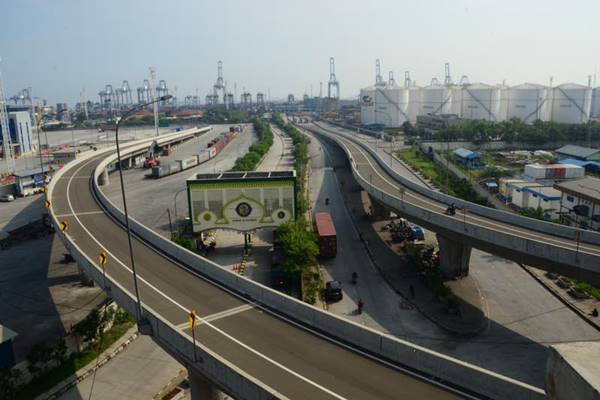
{"points": [[7, 197], [333, 291]]}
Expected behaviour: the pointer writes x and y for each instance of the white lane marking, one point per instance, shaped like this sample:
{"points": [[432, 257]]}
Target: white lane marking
{"points": [[79, 213], [187, 311], [221, 315], [473, 217]]}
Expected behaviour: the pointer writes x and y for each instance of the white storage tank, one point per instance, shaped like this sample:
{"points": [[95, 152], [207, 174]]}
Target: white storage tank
{"points": [[391, 105], [367, 99], [596, 103], [481, 101], [414, 103], [571, 103], [456, 94], [528, 102], [435, 99]]}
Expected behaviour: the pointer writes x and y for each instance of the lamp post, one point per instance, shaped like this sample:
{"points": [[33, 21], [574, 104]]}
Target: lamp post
{"points": [[37, 128], [123, 118]]}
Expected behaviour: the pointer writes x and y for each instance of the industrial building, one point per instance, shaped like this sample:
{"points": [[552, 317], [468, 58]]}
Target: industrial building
{"points": [[548, 174], [468, 158], [21, 131], [579, 153], [580, 202], [391, 105]]}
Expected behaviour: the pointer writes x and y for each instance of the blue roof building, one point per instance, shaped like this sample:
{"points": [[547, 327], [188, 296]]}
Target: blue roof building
{"points": [[468, 158]]}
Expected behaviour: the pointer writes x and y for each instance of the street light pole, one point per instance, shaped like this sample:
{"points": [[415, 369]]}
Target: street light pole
{"points": [[123, 118]]}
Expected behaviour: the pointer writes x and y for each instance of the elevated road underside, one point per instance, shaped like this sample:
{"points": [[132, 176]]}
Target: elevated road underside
{"points": [[467, 229], [291, 360]]}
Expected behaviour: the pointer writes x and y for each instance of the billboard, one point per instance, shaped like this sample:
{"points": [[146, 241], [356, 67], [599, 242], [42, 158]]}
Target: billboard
{"points": [[241, 201]]}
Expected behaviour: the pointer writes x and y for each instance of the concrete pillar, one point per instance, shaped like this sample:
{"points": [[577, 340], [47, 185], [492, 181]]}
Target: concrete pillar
{"points": [[103, 178], [454, 257], [573, 372], [379, 211], [203, 389]]}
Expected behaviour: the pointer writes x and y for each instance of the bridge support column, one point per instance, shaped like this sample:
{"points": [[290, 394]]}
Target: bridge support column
{"points": [[103, 178], [455, 257], [203, 389], [379, 211]]}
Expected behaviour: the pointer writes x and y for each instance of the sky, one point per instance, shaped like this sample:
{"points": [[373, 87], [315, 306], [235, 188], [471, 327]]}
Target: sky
{"points": [[60, 48]]}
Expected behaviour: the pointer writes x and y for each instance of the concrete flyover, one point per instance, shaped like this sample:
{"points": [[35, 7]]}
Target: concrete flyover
{"points": [[252, 342], [552, 247]]}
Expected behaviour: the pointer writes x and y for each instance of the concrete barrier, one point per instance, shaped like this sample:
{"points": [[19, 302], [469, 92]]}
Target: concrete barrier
{"points": [[395, 350], [498, 215]]}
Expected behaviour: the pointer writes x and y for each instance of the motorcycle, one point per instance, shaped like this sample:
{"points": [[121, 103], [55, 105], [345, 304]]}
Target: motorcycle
{"points": [[354, 278], [327, 201], [450, 211]]}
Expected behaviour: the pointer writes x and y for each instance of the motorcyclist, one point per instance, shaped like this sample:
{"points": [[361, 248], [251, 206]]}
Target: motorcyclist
{"points": [[451, 209], [326, 201], [354, 277], [360, 305]]}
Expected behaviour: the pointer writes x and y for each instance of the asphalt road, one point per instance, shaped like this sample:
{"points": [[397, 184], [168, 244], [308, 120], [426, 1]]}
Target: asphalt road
{"points": [[251, 338]]}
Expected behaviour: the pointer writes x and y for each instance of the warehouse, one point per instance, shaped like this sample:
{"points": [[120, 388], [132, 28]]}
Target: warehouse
{"points": [[580, 202], [579, 153]]}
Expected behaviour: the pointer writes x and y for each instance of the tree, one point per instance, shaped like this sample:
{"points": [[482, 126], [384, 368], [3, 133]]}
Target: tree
{"points": [[8, 383], [300, 247]]}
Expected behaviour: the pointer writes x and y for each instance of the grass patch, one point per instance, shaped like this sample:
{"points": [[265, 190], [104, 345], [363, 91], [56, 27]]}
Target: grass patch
{"points": [[75, 362], [438, 175]]}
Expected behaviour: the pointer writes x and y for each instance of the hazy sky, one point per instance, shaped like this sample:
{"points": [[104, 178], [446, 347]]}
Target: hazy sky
{"points": [[60, 47]]}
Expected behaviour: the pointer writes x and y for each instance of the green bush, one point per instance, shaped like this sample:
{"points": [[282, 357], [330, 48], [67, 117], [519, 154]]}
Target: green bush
{"points": [[255, 153]]}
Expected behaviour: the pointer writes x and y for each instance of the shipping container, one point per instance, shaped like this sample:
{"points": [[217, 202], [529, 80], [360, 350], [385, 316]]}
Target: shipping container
{"points": [[326, 234]]}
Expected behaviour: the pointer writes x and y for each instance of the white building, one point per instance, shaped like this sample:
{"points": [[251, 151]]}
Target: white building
{"points": [[21, 131], [548, 174], [580, 202]]}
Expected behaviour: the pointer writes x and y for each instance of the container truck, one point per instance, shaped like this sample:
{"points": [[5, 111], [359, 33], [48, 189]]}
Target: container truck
{"points": [[326, 234]]}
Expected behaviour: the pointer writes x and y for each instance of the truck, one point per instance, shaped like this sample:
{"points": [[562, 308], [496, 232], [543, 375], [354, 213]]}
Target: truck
{"points": [[326, 234]]}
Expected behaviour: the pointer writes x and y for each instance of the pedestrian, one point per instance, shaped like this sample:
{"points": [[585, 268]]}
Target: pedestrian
{"points": [[595, 312], [411, 288]]}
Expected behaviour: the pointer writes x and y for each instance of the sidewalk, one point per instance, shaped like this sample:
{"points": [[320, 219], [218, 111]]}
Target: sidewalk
{"points": [[61, 388], [387, 258]]}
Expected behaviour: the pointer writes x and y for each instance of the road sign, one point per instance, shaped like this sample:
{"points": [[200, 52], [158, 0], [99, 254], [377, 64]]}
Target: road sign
{"points": [[47, 204], [193, 319], [64, 226], [103, 259]]}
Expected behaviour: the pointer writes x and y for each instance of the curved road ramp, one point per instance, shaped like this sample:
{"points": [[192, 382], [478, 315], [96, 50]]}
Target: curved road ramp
{"points": [[250, 341], [557, 248]]}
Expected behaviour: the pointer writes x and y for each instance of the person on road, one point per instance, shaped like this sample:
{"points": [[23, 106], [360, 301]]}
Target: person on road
{"points": [[354, 277], [360, 305]]}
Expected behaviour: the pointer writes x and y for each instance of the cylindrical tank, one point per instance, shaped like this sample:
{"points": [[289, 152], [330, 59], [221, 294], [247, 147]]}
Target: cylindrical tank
{"points": [[367, 101], [435, 99], [596, 103], [528, 102], [481, 101], [414, 103], [391, 105], [571, 103], [456, 94]]}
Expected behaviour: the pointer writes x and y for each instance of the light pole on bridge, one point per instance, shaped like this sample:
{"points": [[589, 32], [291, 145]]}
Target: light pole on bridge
{"points": [[123, 118]]}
